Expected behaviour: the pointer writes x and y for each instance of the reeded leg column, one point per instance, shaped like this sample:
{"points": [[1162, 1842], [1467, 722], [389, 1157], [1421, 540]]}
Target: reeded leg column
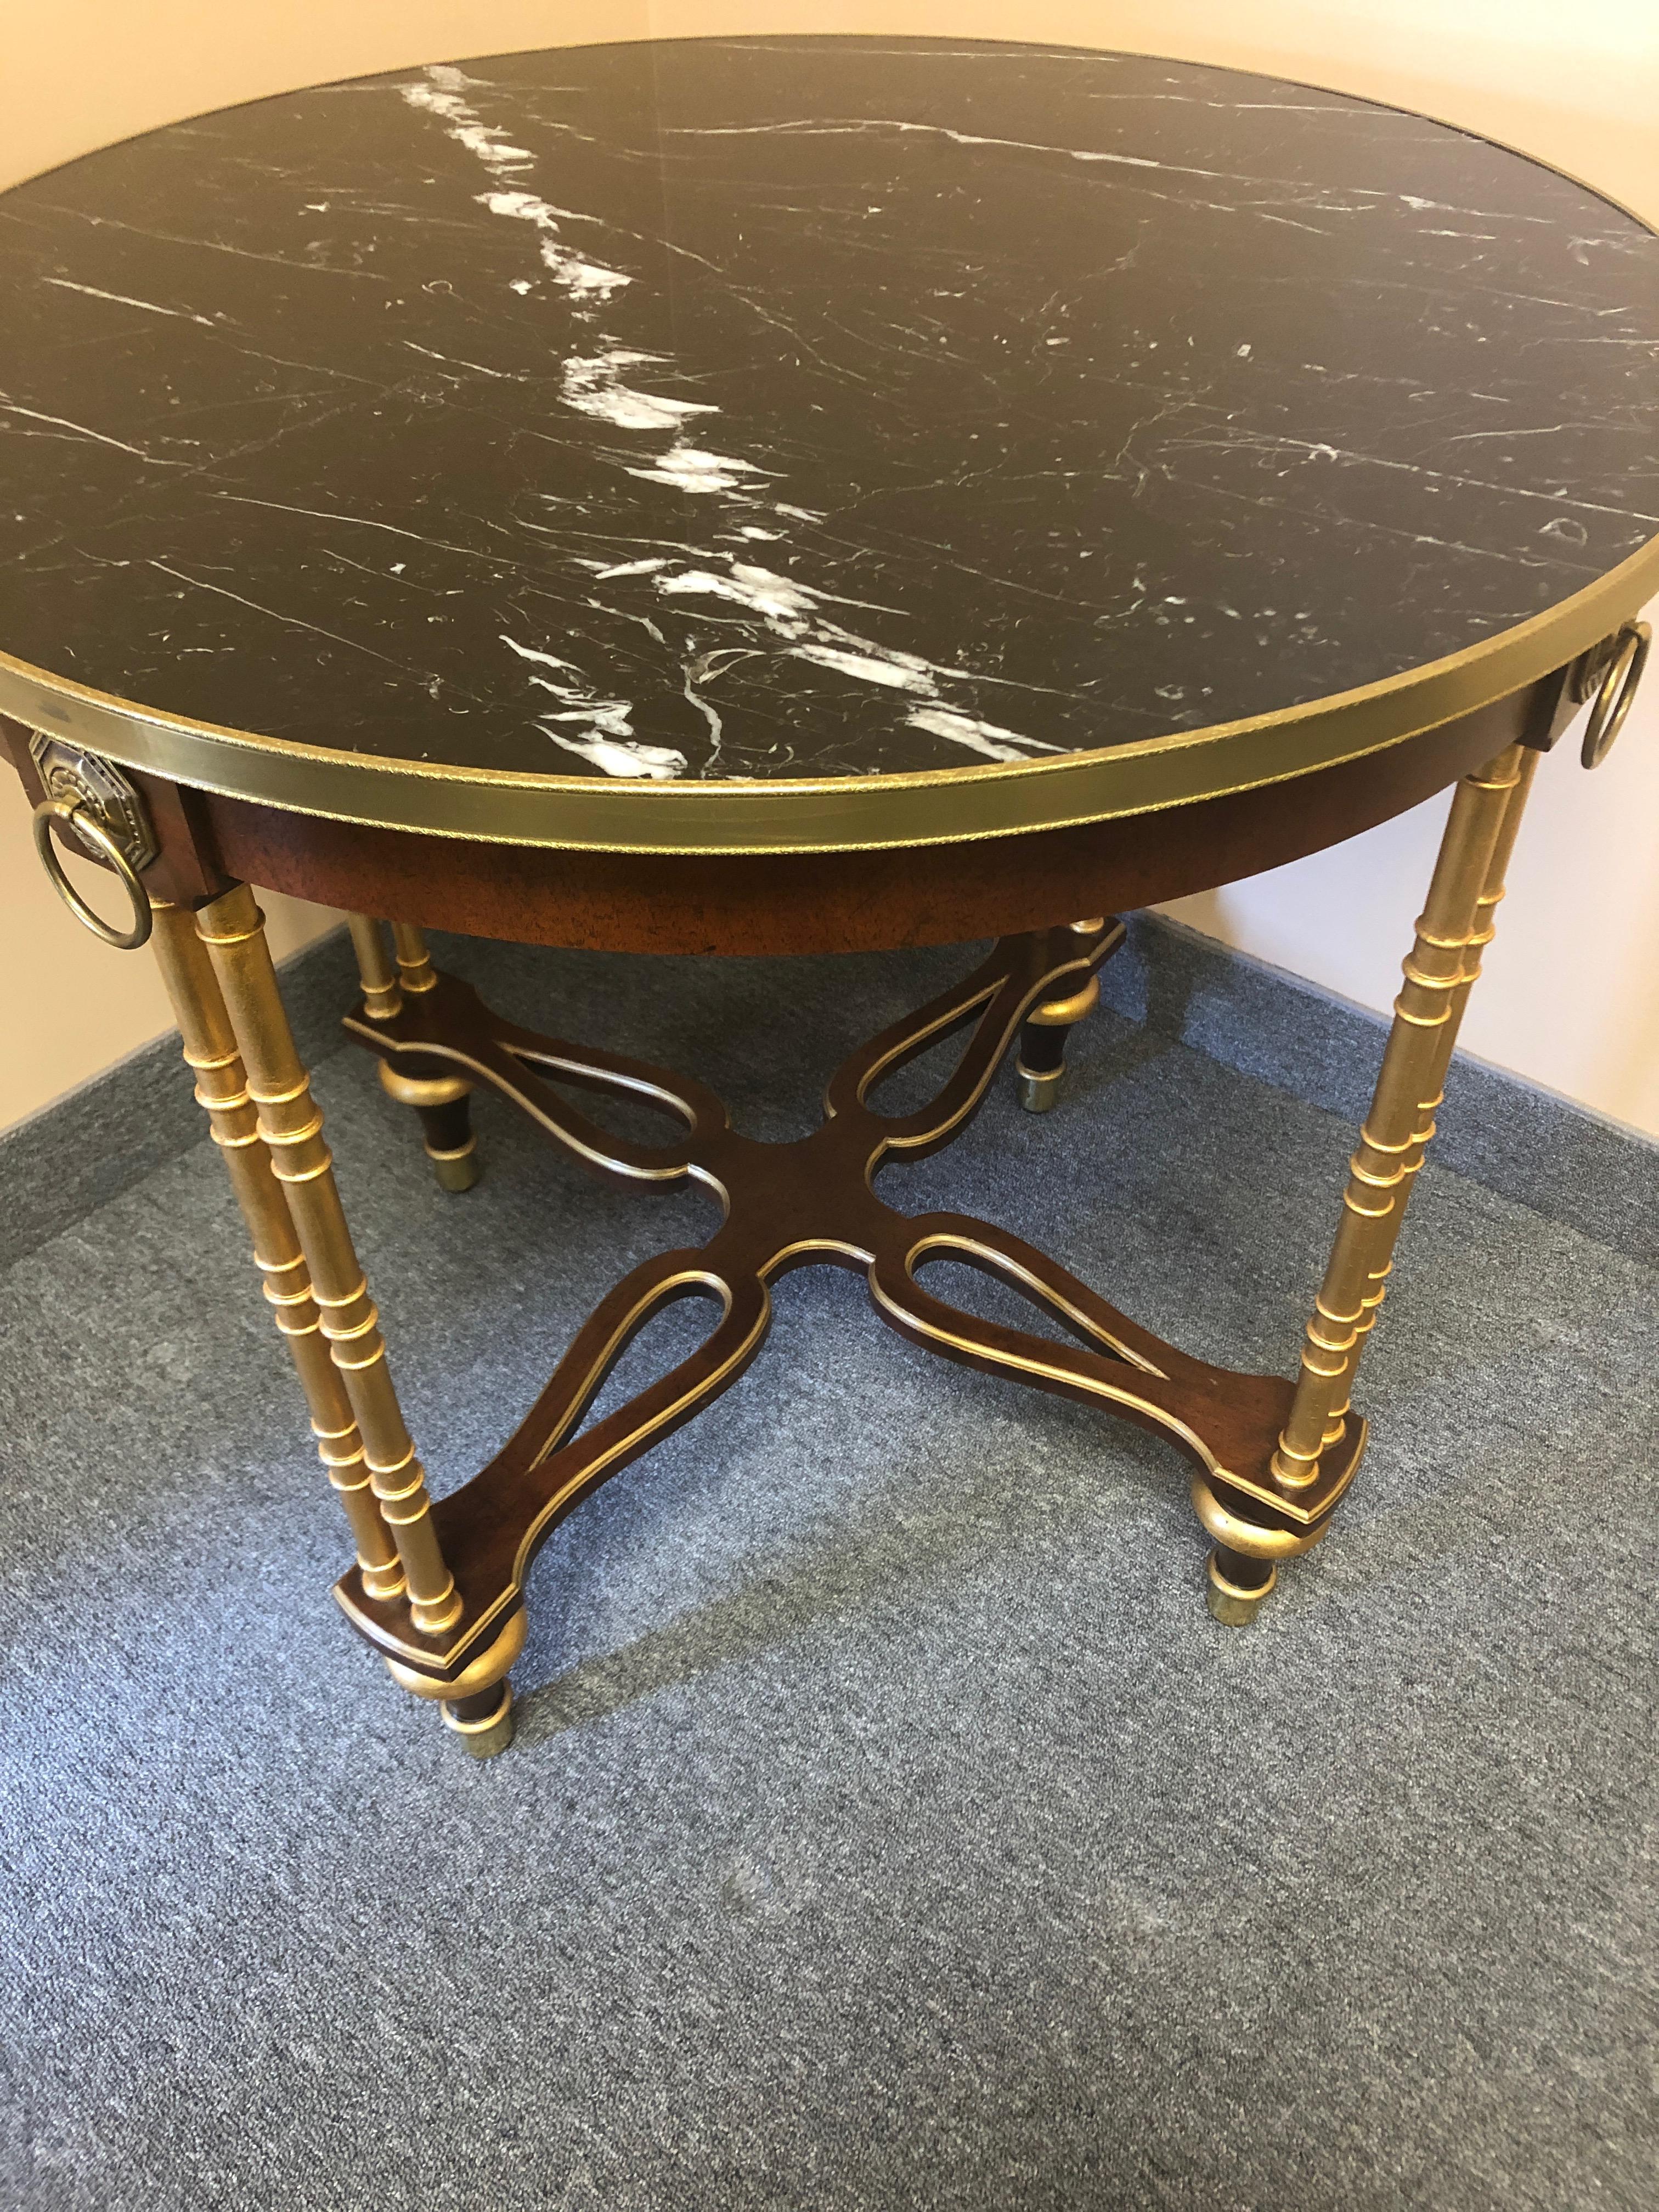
{"points": [[1040, 1070], [441, 1098], [233, 930], [222, 1087], [1457, 922]]}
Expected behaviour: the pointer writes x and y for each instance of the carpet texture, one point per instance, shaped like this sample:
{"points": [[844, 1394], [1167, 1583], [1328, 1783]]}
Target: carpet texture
{"points": [[889, 1826], [1552, 1156]]}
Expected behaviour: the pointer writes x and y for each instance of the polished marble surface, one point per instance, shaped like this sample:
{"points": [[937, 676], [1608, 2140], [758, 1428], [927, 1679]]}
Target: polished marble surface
{"points": [[791, 408]]}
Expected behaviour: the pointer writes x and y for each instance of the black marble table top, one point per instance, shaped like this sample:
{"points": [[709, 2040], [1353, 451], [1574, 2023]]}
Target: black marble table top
{"points": [[725, 412]]}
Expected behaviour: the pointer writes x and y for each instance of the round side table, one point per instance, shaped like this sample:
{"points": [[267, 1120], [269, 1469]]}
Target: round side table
{"points": [[739, 495]]}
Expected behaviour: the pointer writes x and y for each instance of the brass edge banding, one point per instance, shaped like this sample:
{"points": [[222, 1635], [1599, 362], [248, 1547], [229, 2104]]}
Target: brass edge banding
{"points": [[1253, 1540], [1124, 1393], [387, 1642], [422, 1090], [852, 813], [576, 812], [596, 1466], [478, 1673], [1063, 1014]]}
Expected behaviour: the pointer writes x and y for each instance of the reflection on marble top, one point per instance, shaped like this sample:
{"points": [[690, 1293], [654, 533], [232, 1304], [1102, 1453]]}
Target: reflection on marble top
{"points": [[795, 408]]}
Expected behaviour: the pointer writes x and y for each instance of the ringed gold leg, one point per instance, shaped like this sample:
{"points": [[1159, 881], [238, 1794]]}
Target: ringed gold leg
{"points": [[1455, 925], [1040, 1070], [233, 930], [1430, 1011], [438, 1095], [382, 998], [221, 1089]]}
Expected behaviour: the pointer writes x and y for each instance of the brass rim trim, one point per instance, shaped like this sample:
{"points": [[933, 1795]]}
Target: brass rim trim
{"points": [[421, 1090], [1066, 1013], [828, 815], [936, 807], [1255, 1539], [485, 1668]]}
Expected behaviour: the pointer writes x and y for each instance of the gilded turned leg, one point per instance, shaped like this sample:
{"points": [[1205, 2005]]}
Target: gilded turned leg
{"points": [[440, 1096], [233, 931], [221, 1089], [1040, 1070], [1456, 924]]}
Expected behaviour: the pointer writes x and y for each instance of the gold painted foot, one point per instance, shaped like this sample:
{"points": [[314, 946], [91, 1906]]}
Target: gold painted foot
{"points": [[1040, 1070], [457, 1170], [474, 1699], [1236, 1587], [488, 1734], [1250, 1537], [1038, 1089]]}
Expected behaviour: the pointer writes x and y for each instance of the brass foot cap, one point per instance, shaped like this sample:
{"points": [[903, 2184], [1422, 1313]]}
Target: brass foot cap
{"points": [[456, 1170], [1231, 1605], [1037, 1094], [485, 1739]]}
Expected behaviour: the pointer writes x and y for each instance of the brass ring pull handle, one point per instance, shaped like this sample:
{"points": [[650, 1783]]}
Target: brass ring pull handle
{"points": [[75, 816], [1617, 692]]}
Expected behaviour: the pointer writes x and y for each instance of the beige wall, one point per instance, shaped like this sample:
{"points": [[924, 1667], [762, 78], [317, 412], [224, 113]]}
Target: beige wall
{"points": [[1571, 998]]}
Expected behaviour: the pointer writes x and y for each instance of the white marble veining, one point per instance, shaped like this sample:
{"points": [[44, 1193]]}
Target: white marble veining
{"points": [[751, 409]]}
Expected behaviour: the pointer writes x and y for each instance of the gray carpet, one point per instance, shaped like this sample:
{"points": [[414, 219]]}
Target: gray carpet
{"points": [[888, 1824]]}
